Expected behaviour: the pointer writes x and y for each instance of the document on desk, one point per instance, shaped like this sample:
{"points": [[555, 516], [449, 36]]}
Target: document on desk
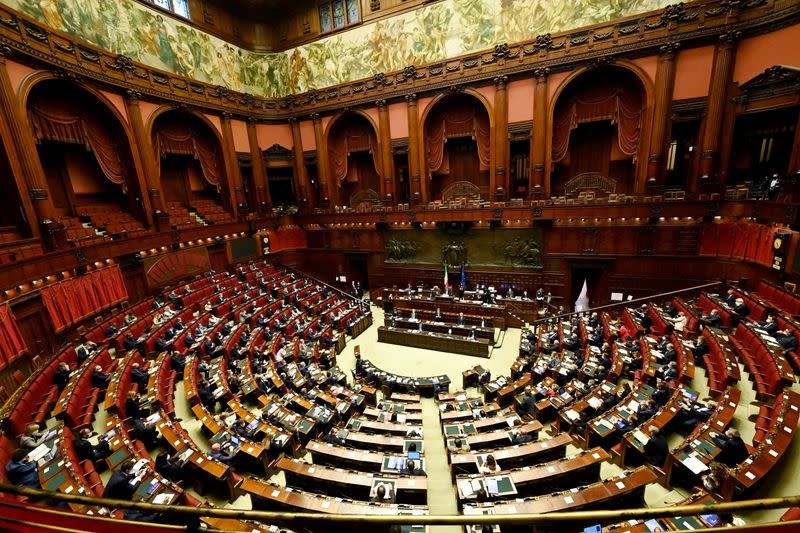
{"points": [[39, 452], [694, 464], [163, 498], [572, 414], [594, 402], [640, 436], [491, 486]]}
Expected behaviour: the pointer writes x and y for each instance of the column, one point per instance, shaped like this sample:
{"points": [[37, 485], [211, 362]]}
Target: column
{"points": [[387, 161], [303, 193], [147, 174], [794, 160], [232, 163], [662, 110], [499, 183], [417, 185], [329, 189], [721, 73], [538, 154], [259, 170], [24, 145]]}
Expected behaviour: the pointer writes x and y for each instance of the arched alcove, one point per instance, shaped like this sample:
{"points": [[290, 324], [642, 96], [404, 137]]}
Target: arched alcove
{"points": [[597, 125], [191, 169], [85, 152], [354, 160], [457, 148]]}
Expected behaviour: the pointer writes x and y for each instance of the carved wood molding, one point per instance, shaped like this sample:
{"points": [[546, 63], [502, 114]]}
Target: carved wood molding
{"points": [[691, 24]]}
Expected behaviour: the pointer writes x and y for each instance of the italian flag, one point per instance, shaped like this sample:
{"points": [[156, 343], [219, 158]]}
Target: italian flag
{"points": [[446, 283]]}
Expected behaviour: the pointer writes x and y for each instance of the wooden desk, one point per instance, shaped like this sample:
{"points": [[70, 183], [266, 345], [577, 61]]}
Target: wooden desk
{"points": [[519, 455], [434, 326], [548, 477], [618, 492], [382, 428], [352, 484], [268, 496], [326, 453], [494, 438], [429, 340], [404, 384], [471, 310]]}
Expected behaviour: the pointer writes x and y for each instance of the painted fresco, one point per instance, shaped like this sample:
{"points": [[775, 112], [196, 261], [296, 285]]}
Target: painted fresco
{"points": [[428, 34]]}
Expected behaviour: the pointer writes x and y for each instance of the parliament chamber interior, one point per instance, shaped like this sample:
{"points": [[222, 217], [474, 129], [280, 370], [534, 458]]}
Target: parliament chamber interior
{"points": [[399, 265]]}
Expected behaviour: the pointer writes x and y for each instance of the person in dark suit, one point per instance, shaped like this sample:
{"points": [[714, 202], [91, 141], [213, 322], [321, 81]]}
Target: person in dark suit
{"points": [[730, 298], [86, 450], [61, 375], [99, 378], [769, 325], [787, 340], [700, 348], [670, 372], [168, 467], [646, 410], [144, 431], [206, 396], [110, 331], [177, 362], [129, 342], [85, 350], [733, 450], [140, 376], [527, 404], [690, 416], [713, 319], [741, 309], [669, 355], [661, 394], [656, 449], [123, 482], [222, 454], [134, 407], [22, 471], [412, 469]]}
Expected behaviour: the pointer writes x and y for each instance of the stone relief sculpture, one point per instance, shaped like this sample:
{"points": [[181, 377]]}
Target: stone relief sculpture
{"points": [[400, 250], [454, 253], [522, 251]]}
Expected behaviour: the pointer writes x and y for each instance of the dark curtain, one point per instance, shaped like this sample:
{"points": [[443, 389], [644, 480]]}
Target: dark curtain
{"points": [[605, 98], [11, 343], [452, 119], [62, 120], [354, 136], [590, 149], [178, 138]]}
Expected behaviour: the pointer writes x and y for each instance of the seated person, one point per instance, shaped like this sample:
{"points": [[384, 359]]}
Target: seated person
{"points": [[32, 437], [22, 471], [383, 494], [412, 469], [458, 445], [713, 319], [786, 339], [177, 362], [130, 319], [123, 483], [518, 437], [85, 350], [129, 342], [168, 467], [144, 431], [61, 375], [85, 450], [733, 450], [99, 378], [656, 449], [740, 308], [240, 428], [526, 407], [769, 325], [134, 407], [110, 331], [489, 466], [139, 376], [223, 454]]}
